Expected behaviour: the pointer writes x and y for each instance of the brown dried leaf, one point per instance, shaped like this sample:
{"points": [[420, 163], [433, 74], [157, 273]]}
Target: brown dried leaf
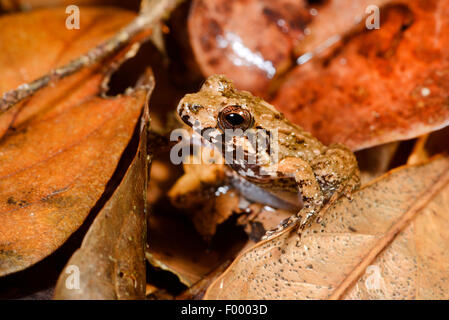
{"points": [[378, 86], [390, 242], [138, 29], [270, 37], [225, 43], [28, 53], [111, 260], [327, 27], [63, 144], [27, 5]]}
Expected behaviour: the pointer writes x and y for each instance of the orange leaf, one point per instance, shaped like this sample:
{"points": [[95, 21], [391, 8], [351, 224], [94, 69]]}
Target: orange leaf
{"points": [[111, 260], [64, 143], [378, 86]]}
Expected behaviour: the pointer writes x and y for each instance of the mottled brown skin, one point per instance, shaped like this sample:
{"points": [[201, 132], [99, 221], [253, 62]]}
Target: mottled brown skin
{"points": [[303, 167]]}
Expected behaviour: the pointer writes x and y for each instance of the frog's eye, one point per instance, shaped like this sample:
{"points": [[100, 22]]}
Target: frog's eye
{"points": [[234, 117]]}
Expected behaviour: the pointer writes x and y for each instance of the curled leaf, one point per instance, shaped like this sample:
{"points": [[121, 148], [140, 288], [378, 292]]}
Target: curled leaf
{"points": [[59, 148], [111, 260]]}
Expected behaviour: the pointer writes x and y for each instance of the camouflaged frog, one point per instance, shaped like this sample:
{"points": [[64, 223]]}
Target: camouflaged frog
{"points": [[293, 170]]}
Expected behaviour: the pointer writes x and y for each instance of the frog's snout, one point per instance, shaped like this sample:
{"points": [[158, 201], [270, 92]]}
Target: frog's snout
{"points": [[183, 113], [186, 120], [190, 113]]}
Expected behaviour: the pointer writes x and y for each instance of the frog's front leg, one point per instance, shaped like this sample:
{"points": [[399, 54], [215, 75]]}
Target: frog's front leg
{"points": [[330, 175], [311, 193]]}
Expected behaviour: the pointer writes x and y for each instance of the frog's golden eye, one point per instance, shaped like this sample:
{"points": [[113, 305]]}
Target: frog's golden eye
{"points": [[234, 117]]}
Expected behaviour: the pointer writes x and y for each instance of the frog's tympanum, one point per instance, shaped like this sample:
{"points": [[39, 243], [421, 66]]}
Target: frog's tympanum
{"points": [[292, 171]]}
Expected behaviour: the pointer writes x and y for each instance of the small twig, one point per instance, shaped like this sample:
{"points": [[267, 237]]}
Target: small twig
{"points": [[152, 11]]}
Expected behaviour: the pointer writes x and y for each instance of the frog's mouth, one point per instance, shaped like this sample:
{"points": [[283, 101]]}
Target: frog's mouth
{"points": [[212, 137]]}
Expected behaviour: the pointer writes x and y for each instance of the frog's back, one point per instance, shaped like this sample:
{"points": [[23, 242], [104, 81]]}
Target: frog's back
{"points": [[292, 140]]}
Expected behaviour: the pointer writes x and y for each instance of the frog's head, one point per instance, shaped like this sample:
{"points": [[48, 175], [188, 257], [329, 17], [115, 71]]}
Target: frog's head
{"points": [[218, 105], [219, 108]]}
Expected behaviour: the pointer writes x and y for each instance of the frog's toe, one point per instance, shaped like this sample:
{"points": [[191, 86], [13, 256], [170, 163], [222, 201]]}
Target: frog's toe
{"points": [[281, 227]]}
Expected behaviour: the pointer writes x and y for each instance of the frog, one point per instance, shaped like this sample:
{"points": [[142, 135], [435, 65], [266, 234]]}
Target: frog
{"points": [[292, 171]]}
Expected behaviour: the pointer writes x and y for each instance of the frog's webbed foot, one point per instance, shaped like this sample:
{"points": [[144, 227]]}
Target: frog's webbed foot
{"points": [[300, 220], [281, 227]]}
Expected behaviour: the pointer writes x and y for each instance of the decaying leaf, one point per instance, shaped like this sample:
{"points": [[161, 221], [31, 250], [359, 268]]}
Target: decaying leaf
{"points": [[259, 49], [141, 26], [327, 28], [54, 171], [389, 242], [111, 260], [223, 42], [29, 53], [22, 5], [380, 85], [61, 146]]}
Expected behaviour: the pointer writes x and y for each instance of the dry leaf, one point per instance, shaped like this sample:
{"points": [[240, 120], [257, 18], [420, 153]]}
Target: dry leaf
{"points": [[225, 43], [378, 86], [327, 28], [139, 29], [62, 145], [29, 53], [26, 5], [111, 260], [264, 45], [54, 171], [390, 242], [197, 291]]}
